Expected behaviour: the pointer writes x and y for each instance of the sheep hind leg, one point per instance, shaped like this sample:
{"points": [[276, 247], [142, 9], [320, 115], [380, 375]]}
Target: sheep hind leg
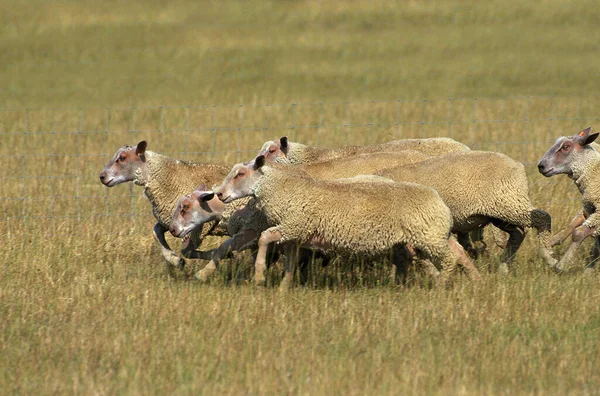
{"points": [[542, 222], [467, 243], [516, 235], [169, 255], [291, 258], [590, 267]]}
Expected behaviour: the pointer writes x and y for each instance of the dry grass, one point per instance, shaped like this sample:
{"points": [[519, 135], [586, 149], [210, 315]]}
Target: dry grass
{"points": [[86, 303]]}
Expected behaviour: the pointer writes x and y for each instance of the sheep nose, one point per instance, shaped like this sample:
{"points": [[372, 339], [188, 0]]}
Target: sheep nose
{"points": [[220, 195], [540, 167], [102, 177]]}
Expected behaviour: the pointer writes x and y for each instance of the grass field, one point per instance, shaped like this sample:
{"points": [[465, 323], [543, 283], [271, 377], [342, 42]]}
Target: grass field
{"points": [[87, 304]]}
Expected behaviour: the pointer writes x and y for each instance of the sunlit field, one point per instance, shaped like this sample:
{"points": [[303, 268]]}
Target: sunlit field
{"points": [[87, 304]]}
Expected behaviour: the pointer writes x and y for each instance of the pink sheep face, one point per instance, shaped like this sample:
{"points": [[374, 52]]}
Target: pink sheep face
{"points": [[195, 209], [274, 149], [124, 165], [558, 159], [240, 181]]}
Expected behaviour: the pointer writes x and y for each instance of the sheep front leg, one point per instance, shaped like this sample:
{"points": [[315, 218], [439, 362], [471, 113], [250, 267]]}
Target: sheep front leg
{"points": [[464, 260], [168, 253], [563, 234], [268, 236], [579, 235], [235, 243]]}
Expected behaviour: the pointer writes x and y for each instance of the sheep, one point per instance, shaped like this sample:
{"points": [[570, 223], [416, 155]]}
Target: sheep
{"points": [[483, 187], [164, 180], [364, 218], [577, 158], [578, 220], [247, 235], [284, 151], [244, 225]]}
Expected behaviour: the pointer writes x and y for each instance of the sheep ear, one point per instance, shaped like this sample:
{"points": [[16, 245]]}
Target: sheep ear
{"points": [[591, 138], [206, 196], [283, 144], [584, 136], [141, 147], [259, 162]]}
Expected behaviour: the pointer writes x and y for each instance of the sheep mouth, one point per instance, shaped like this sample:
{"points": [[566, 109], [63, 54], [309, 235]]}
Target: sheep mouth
{"points": [[181, 233], [109, 183], [548, 173], [227, 199]]}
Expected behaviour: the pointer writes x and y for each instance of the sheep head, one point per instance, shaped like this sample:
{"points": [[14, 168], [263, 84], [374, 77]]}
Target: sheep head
{"points": [[195, 209], [124, 165], [565, 152], [240, 181], [274, 149]]}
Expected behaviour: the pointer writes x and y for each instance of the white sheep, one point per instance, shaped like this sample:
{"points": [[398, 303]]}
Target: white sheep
{"points": [[483, 187], [575, 157], [363, 218], [164, 180], [284, 151]]}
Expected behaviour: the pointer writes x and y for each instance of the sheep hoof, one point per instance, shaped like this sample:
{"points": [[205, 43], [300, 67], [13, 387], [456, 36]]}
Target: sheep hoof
{"points": [[203, 275], [589, 271], [558, 268], [503, 269], [259, 281], [181, 264]]}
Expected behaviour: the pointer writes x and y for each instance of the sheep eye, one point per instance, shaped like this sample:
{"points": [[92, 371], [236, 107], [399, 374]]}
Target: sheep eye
{"points": [[122, 158], [565, 147], [271, 151]]}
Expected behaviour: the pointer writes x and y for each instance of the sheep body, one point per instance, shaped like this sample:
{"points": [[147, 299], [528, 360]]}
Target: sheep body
{"points": [[297, 153], [370, 218], [481, 187]]}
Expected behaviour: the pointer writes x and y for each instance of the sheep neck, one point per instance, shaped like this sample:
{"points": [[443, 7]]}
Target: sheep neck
{"points": [[584, 167]]}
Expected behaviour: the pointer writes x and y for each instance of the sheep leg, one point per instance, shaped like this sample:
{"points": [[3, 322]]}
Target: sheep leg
{"points": [[516, 235], [542, 222], [189, 250], [168, 253], [268, 236], [235, 243], [291, 257], [465, 241], [563, 234], [464, 260], [402, 255], [578, 236], [594, 254], [446, 261]]}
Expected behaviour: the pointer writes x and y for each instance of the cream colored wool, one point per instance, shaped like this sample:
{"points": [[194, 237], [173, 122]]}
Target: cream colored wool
{"points": [[480, 187], [166, 179], [366, 218], [298, 153], [361, 164]]}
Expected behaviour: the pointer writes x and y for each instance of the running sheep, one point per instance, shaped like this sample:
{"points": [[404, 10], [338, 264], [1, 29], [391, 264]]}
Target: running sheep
{"points": [[284, 151], [164, 180], [366, 219], [483, 187], [576, 157]]}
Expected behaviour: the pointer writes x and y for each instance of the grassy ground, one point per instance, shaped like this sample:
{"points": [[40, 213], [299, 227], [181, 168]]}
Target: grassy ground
{"points": [[87, 304]]}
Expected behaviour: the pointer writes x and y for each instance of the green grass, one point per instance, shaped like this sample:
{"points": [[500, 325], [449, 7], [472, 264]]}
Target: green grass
{"points": [[67, 53], [86, 303]]}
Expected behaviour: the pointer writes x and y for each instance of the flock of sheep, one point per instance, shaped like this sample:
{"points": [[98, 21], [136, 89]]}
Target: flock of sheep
{"points": [[425, 199]]}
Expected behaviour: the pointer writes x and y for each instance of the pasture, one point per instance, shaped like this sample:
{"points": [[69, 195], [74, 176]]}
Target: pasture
{"points": [[86, 302]]}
